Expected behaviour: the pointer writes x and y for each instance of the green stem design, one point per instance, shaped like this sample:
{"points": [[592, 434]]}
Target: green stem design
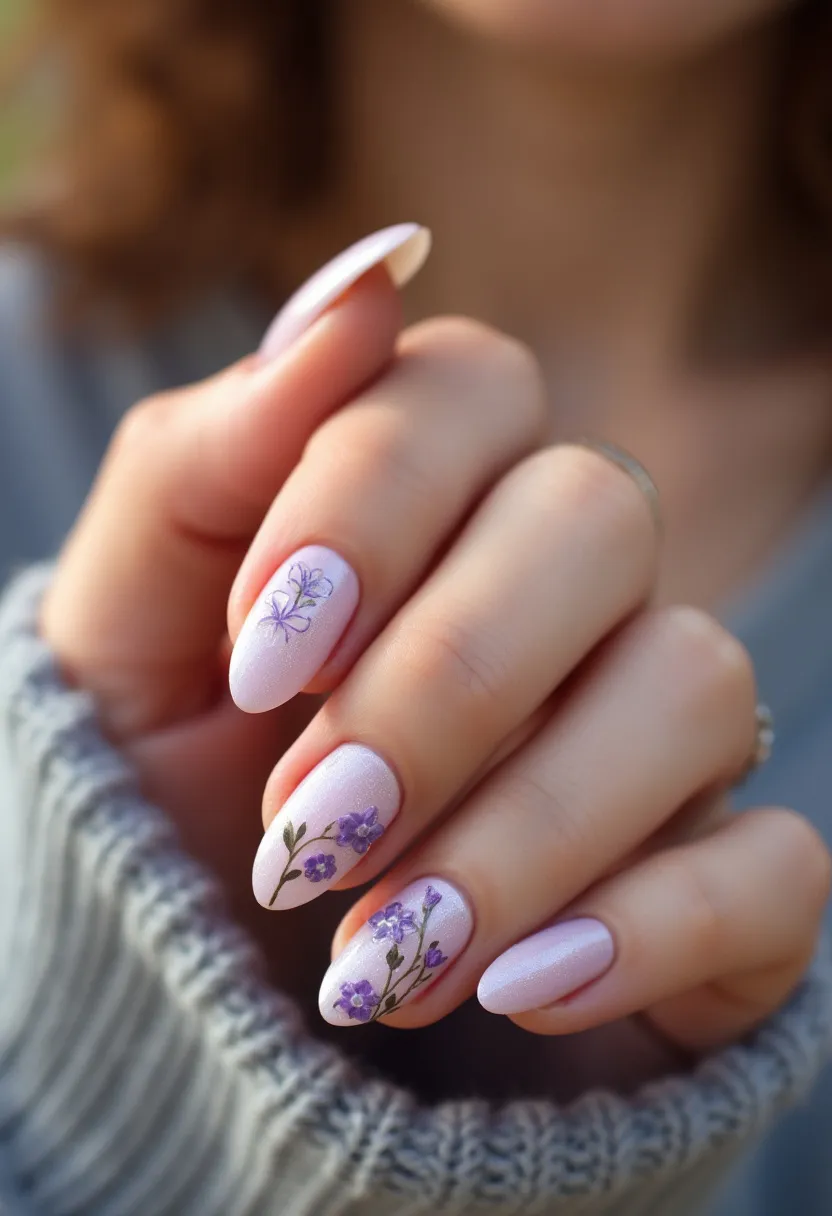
{"points": [[417, 964], [298, 846]]}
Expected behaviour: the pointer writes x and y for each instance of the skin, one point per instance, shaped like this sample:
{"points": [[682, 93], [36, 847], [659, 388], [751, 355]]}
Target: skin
{"points": [[196, 505]]}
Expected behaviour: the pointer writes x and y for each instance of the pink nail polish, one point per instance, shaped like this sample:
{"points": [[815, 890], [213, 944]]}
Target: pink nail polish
{"points": [[399, 952], [292, 628], [547, 966], [403, 249], [325, 827]]}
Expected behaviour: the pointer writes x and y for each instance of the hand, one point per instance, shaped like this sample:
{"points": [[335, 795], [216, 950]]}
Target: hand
{"points": [[510, 728]]}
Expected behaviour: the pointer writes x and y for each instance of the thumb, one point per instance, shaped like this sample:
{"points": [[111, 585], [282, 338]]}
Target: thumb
{"points": [[136, 613]]}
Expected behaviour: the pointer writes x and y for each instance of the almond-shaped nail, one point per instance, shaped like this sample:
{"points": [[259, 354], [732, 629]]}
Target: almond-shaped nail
{"points": [[292, 628], [325, 827], [547, 966], [402, 248], [404, 946]]}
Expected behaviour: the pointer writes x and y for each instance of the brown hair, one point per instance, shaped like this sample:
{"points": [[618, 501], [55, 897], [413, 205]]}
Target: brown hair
{"points": [[188, 127]]}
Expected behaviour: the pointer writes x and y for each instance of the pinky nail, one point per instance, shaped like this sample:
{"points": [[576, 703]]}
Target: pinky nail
{"points": [[402, 248], [547, 967], [292, 628], [400, 951]]}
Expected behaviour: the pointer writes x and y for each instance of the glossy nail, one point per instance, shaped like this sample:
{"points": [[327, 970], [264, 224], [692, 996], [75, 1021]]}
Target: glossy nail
{"points": [[402, 248], [547, 966], [292, 628], [325, 827], [399, 952]]}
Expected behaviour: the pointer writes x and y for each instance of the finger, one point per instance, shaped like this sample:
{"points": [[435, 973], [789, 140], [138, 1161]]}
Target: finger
{"points": [[137, 609], [560, 552], [382, 484], [708, 938], [666, 709]]}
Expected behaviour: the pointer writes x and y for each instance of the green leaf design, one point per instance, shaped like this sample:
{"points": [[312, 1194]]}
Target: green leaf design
{"points": [[289, 837], [433, 945], [390, 1002], [292, 874], [301, 832], [394, 959]]}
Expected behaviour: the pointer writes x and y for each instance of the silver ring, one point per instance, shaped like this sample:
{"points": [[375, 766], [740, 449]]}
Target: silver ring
{"points": [[634, 470], [763, 743], [765, 736]]}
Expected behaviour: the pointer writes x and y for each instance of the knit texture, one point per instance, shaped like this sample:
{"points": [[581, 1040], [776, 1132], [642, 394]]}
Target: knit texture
{"points": [[147, 1070]]}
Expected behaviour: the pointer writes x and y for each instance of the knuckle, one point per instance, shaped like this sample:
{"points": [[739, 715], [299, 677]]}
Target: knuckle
{"points": [[557, 811], [697, 910], [802, 858], [451, 654], [381, 450], [507, 366], [578, 483], [702, 657], [144, 423]]}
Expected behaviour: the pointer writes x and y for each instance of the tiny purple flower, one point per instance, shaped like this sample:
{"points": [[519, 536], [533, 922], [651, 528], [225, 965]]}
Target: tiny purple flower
{"points": [[358, 1000], [359, 829], [309, 584], [434, 958], [394, 922], [284, 617], [319, 867], [432, 898]]}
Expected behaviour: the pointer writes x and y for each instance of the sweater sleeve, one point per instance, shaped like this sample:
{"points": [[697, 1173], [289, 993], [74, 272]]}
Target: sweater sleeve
{"points": [[147, 1070]]}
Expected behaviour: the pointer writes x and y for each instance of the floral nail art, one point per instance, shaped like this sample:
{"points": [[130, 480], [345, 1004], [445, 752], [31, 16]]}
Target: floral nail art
{"points": [[358, 999], [308, 586], [356, 830], [359, 830]]}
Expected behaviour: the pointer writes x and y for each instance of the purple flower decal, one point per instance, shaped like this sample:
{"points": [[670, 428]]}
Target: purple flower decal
{"points": [[394, 922], [432, 898], [359, 829], [284, 616], [358, 1000], [319, 867], [309, 584], [434, 958]]}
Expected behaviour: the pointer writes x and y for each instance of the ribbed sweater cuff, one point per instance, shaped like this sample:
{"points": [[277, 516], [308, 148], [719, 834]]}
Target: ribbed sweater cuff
{"points": [[145, 1068]]}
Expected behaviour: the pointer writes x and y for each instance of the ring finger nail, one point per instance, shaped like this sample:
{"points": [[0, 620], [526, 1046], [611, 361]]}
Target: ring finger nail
{"points": [[547, 967], [292, 628], [398, 953], [325, 827]]}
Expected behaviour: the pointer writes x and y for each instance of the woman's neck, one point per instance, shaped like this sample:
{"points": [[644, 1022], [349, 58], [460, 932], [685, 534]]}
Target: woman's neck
{"points": [[584, 208], [571, 203]]}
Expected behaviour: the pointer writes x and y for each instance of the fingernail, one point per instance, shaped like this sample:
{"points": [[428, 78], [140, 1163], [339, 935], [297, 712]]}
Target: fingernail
{"points": [[403, 249], [292, 629], [399, 952], [326, 826], [547, 966]]}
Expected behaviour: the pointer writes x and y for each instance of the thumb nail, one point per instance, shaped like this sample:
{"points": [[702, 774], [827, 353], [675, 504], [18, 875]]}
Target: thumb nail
{"points": [[403, 250]]}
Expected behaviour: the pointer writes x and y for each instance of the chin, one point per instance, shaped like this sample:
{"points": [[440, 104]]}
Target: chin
{"points": [[611, 28]]}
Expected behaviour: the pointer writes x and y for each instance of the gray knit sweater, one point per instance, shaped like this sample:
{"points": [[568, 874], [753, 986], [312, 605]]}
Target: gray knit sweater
{"points": [[146, 1068]]}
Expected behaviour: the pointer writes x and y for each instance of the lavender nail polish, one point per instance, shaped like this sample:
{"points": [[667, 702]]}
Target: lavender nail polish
{"points": [[547, 966], [292, 628], [333, 818], [403, 249], [404, 946]]}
